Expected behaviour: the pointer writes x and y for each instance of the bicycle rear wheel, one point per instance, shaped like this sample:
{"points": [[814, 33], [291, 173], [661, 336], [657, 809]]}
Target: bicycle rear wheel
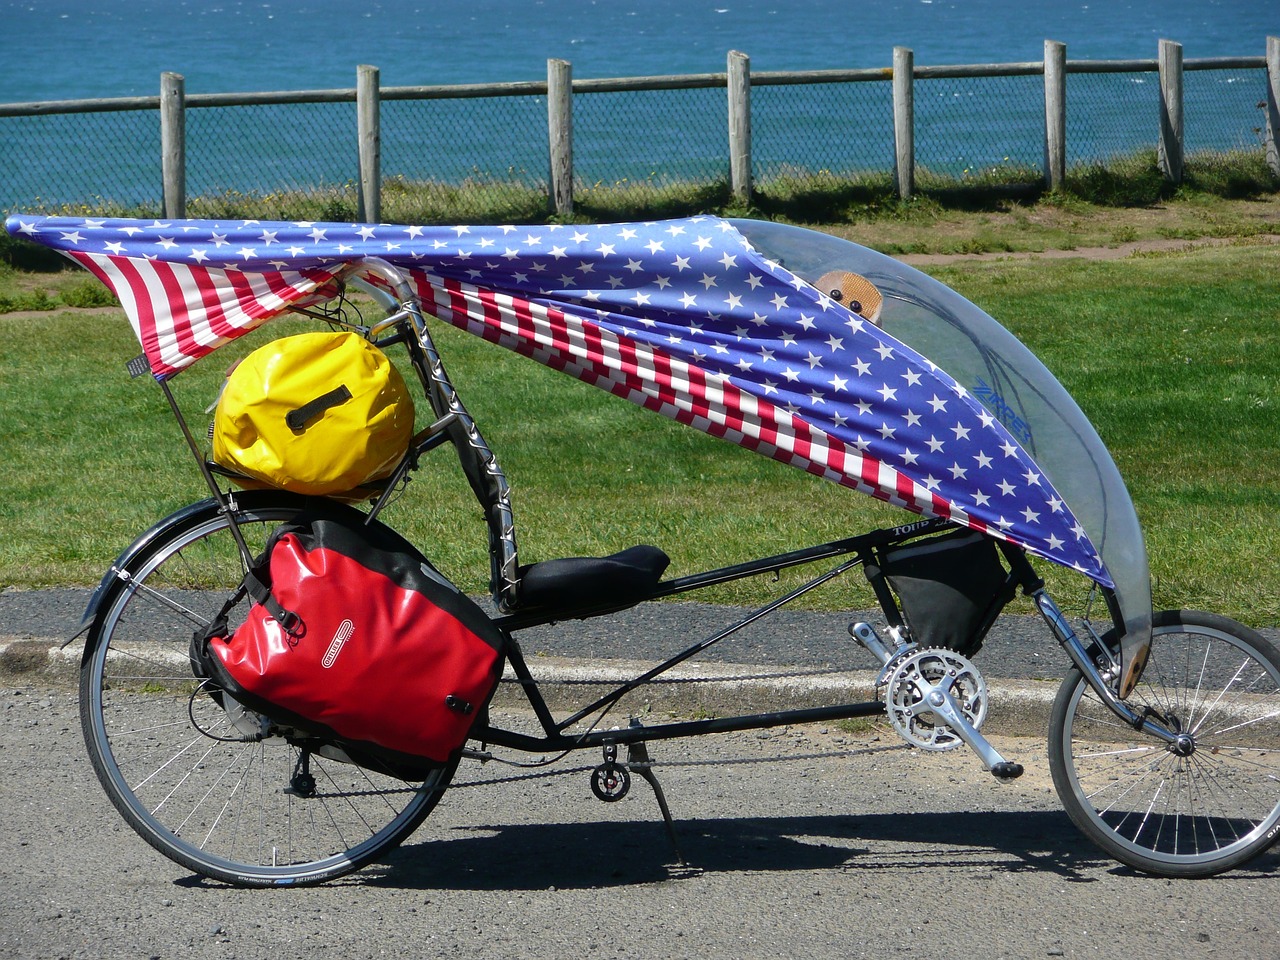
{"points": [[1210, 801], [189, 770]]}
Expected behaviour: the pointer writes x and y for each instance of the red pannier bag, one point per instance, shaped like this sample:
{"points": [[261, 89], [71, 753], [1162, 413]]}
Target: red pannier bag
{"points": [[355, 638]]}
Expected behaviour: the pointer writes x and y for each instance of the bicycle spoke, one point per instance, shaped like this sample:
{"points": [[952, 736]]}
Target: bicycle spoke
{"points": [[1206, 798], [175, 760]]}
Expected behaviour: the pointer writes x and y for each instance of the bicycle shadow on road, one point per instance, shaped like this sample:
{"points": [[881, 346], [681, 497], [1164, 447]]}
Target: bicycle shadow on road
{"points": [[604, 854]]}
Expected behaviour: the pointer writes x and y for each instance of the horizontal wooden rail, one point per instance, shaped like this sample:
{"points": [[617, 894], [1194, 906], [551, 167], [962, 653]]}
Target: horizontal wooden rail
{"points": [[737, 81], [689, 81]]}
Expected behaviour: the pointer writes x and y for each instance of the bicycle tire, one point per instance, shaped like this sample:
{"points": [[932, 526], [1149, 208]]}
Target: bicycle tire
{"points": [[1198, 808], [168, 753]]}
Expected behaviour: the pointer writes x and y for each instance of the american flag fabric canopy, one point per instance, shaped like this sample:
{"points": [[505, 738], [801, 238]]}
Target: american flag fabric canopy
{"points": [[682, 317]]}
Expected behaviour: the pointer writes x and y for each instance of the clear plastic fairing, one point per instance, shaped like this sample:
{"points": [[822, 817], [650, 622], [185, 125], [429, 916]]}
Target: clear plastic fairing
{"points": [[1015, 387]]}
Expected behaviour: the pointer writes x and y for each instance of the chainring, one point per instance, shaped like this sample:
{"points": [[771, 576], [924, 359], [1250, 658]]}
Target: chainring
{"points": [[924, 672]]}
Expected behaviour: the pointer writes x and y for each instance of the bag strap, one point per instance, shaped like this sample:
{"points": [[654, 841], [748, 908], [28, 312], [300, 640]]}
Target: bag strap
{"points": [[204, 665], [299, 419], [256, 584]]}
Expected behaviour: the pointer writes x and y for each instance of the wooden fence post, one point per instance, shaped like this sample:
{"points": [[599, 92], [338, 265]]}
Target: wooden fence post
{"points": [[173, 144], [1171, 110], [1055, 114], [739, 90], [1273, 104], [560, 134], [369, 134], [904, 112]]}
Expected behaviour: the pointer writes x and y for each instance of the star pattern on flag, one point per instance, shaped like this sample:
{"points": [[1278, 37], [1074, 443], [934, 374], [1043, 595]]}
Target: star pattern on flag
{"points": [[681, 316]]}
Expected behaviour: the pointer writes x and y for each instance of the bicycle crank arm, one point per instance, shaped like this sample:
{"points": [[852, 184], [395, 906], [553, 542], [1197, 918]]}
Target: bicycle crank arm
{"points": [[936, 699], [944, 706]]}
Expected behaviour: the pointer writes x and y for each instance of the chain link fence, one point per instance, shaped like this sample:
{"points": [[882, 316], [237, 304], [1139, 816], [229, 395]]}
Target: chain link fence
{"points": [[475, 155], [656, 137], [649, 149], [81, 162], [1100, 111], [462, 160], [822, 130], [288, 161], [1225, 114], [989, 128]]}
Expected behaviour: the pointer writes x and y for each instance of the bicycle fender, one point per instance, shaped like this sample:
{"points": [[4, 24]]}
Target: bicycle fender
{"points": [[118, 573]]}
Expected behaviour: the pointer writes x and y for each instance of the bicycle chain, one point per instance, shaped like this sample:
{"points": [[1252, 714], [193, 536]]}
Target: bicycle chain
{"points": [[546, 774], [737, 761], [653, 764]]}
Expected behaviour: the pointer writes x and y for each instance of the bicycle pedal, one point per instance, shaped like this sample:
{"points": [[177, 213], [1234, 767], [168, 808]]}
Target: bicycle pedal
{"points": [[1006, 770]]}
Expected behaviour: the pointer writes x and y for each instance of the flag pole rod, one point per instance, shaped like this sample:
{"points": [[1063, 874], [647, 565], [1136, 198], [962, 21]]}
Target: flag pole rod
{"points": [[224, 505]]}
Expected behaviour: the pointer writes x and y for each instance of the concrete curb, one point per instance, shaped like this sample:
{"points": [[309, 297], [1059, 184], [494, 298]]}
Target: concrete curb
{"points": [[1016, 707]]}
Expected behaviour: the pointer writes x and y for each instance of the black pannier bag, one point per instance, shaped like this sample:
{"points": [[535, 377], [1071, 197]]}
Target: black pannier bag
{"points": [[355, 639], [950, 588]]}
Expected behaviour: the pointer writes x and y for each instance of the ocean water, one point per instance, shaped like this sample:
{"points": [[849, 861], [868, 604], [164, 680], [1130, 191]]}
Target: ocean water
{"points": [[75, 49], [68, 49]]}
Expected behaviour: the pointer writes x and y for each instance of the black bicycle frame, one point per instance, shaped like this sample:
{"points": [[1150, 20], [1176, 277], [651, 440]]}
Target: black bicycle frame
{"points": [[407, 326], [857, 550]]}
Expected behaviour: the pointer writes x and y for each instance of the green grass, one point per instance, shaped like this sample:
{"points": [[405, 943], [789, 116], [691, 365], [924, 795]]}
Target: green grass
{"points": [[943, 205], [1174, 357], [80, 292]]}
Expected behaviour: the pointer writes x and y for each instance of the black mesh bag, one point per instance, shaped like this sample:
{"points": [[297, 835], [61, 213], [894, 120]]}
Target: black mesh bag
{"points": [[950, 588]]}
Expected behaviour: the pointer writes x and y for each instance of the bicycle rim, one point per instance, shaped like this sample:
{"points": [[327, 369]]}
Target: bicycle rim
{"points": [[186, 769], [1196, 808]]}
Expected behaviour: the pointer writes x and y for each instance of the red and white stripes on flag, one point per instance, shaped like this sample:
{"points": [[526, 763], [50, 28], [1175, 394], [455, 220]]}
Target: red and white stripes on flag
{"points": [[649, 377], [182, 312]]}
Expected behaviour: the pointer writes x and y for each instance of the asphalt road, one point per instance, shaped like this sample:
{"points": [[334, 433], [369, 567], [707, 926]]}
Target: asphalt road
{"points": [[800, 843]]}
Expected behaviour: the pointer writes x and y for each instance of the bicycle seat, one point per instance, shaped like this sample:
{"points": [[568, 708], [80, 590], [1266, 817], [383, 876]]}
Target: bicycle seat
{"points": [[580, 583]]}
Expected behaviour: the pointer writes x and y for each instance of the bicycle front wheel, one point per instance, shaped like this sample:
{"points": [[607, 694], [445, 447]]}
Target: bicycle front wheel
{"points": [[1206, 803], [202, 780]]}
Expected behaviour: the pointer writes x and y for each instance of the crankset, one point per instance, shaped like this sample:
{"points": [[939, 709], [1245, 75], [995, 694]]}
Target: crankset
{"points": [[936, 699], [917, 703]]}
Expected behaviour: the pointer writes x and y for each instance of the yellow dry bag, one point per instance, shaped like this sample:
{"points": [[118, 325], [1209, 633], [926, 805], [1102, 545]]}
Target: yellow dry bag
{"points": [[318, 413]]}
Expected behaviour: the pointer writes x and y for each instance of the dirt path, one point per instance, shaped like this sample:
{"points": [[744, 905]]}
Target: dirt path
{"points": [[1117, 252]]}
